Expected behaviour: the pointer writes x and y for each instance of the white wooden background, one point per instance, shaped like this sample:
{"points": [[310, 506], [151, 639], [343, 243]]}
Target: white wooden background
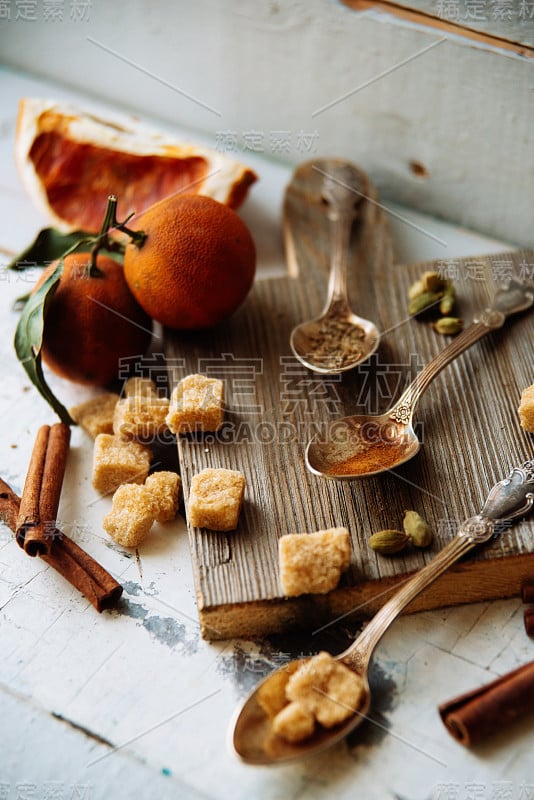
{"points": [[136, 704], [285, 75]]}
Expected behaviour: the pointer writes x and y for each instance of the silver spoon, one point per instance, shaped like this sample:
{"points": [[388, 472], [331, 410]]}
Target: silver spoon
{"points": [[337, 340], [362, 445], [252, 738]]}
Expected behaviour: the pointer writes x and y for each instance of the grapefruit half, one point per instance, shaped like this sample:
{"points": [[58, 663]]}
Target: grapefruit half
{"points": [[70, 161]]}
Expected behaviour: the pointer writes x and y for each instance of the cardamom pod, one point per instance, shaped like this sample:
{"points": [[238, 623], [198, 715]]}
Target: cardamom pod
{"points": [[388, 542], [415, 289], [449, 326], [423, 301], [447, 301], [433, 282], [417, 529]]}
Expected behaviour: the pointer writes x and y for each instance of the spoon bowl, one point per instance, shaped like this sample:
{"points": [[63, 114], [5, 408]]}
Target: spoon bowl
{"points": [[338, 339], [361, 446], [255, 743], [333, 344]]}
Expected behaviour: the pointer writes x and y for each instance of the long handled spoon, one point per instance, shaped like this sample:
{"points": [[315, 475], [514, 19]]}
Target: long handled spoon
{"points": [[338, 339], [363, 444], [252, 737]]}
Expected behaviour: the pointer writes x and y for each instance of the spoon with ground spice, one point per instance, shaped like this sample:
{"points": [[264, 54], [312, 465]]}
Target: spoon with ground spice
{"points": [[362, 445], [337, 340]]}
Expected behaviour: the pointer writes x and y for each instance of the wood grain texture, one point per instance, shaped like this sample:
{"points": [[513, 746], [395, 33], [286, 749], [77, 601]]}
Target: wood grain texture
{"points": [[507, 26], [467, 421]]}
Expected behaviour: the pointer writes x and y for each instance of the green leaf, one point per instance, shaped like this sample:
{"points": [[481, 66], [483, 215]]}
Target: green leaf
{"points": [[29, 340], [48, 245]]}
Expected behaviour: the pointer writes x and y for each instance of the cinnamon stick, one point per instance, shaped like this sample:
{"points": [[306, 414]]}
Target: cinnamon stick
{"points": [[54, 472], [29, 504], [76, 566], [528, 618], [36, 524], [476, 715], [83, 572]]}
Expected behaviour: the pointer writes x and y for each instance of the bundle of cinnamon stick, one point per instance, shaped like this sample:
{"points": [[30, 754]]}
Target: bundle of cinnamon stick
{"points": [[33, 520]]}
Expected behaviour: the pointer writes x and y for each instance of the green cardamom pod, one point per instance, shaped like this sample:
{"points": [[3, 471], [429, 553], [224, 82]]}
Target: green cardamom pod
{"points": [[447, 301], [449, 326], [415, 289], [418, 530], [433, 282], [388, 542], [422, 302]]}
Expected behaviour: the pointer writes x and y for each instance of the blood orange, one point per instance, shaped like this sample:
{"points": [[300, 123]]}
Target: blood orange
{"points": [[196, 264], [92, 321]]}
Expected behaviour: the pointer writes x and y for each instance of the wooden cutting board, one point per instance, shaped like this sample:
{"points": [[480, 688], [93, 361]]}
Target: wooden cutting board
{"points": [[467, 421]]}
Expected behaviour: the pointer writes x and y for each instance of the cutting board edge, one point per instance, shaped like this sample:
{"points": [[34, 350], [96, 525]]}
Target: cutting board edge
{"points": [[260, 618]]}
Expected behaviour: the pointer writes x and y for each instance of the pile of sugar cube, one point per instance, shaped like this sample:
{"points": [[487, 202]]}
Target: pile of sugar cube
{"points": [[123, 429]]}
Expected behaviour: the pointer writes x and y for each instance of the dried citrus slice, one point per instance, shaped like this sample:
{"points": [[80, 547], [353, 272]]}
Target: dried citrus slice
{"points": [[71, 160]]}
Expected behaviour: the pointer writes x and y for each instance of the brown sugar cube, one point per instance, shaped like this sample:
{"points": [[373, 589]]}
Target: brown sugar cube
{"points": [[312, 563], [272, 692], [96, 415], [294, 722], [116, 462], [327, 689], [141, 417], [165, 488], [526, 409], [196, 405], [215, 499], [131, 515], [139, 387]]}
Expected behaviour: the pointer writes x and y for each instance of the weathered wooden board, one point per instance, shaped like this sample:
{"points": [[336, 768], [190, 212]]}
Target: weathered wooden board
{"points": [[513, 30], [467, 420]]}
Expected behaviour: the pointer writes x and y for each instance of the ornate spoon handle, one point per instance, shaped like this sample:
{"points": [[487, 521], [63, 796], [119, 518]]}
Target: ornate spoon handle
{"points": [[405, 406], [511, 498], [515, 298]]}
